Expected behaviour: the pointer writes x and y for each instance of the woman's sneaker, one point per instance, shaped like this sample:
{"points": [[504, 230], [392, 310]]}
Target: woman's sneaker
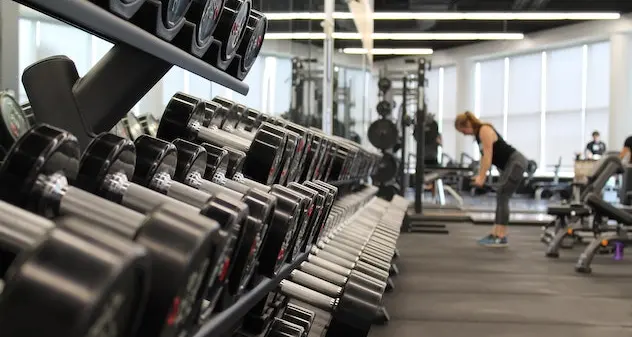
{"points": [[493, 241]]}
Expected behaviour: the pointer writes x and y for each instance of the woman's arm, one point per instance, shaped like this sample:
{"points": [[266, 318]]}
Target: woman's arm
{"points": [[488, 137]]}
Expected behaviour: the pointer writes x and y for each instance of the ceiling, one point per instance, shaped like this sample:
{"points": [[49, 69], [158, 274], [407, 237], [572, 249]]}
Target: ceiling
{"points": [[416, 26]]}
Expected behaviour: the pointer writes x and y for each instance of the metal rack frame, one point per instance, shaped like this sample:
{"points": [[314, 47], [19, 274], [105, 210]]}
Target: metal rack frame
{"points": [[96, 102]]}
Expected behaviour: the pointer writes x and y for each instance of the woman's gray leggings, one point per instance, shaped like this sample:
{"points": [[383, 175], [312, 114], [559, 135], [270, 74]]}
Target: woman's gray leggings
{"points": [[510, 179]]}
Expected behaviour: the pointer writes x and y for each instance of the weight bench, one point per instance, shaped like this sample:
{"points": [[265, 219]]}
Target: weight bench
{"points": [[619, 236], [562, 234]]}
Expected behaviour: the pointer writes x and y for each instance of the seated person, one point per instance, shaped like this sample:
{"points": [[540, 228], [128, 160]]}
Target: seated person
{"points": [[627, 150], [595, 148]]}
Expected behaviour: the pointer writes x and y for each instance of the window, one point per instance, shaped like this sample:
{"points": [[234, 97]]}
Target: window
{"points": [[489, 92], [282, 86], [563, 108], [27, 52], [447, 101], [524, 104], [254, 79], [172, 82], [597, 90], [56, 39], [198, 86]]}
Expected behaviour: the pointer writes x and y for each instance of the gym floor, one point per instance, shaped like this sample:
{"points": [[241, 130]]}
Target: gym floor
{"points": [[448, 286]]}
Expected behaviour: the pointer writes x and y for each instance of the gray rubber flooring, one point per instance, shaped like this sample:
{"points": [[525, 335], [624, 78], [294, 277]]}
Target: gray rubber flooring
{"points": [[449, 286]]}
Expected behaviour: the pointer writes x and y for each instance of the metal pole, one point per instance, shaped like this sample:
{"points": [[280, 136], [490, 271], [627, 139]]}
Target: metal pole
{"points": [[421, 131], [404, 152], [328, 83]]}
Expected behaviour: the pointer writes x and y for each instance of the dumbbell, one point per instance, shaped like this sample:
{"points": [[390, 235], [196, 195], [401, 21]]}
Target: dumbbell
{"points": [[185, 117], [234, 114], [190, 170], [223, 114], [203, 18], [286, 217], [350, 313], [312, 156], [229, 33], [36, 175], [299, 316], [41, 262], [107, 169], [250, 46], [310, 200], [282, 328]]}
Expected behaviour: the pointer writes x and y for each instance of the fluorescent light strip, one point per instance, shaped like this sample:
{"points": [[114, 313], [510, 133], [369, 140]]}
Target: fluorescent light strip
{"points": [[388, 51], [492, 16], [398, 36]]}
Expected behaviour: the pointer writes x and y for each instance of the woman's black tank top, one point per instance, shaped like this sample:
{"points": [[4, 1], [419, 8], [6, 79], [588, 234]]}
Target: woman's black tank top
{"points": [[502, 150]]}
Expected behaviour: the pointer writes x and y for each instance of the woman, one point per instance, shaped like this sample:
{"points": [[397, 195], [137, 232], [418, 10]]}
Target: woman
{"points": [[508, 160]]}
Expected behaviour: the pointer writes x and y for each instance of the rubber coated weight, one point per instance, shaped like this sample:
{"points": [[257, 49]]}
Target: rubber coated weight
{"points": [[53, 158], [280, 327], [282, 223], [384, 84], [184, 117], [250, 46], [383, 134], [229, 33], [192, 164], [304, 203], [227, 114], [123, 8], [349, 313], [107, 168], [205, 15], [115, 272], [384, 108]]}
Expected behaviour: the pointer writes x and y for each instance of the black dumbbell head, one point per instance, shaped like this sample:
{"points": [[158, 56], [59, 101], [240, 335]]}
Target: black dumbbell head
{"points": [[43, 149], [106, 154], [174, 11], [216, 161], [253, 39], [236, 161], [232, 25], [205, 15], [191, 159], [181, 112], [153, 156]]}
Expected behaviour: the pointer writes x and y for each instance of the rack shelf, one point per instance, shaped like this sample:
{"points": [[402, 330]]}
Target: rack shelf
{"points": [[225, 320], [94, 20]]}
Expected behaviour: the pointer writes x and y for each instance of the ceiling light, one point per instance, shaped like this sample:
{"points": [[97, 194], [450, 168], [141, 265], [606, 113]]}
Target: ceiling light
{"points": [[398, 36], [490, 16], [388, 51]]}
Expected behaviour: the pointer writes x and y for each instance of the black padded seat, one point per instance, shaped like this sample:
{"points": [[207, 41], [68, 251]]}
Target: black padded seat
{"points": [[612, 212], [568, 210]]}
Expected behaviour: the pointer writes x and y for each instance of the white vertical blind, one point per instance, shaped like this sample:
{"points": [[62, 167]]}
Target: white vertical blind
{"points": [[27, 52], [563, 105], [492, 79], [283, 85], [448, 103], [254, 79], [432, 91], [524, 104], [598, 91], [172, 82]]}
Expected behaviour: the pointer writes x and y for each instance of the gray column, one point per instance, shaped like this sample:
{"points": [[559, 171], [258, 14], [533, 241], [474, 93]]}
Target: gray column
{"points": [[464, 100], [328, 72], [620, 90], [9, 45]]}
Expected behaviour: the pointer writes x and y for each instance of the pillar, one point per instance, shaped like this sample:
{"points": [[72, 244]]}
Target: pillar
{"points": [[620, 118]]}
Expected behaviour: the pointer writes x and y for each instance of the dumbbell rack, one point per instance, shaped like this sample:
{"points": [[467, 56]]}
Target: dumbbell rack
{"points": [[124, 75], [226, 320]]}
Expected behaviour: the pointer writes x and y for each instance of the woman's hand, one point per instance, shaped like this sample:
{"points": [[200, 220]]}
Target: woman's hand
{"points": [[478, 181]]}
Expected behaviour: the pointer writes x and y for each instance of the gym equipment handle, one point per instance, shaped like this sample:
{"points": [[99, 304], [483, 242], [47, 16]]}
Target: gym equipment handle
{"points": [[307, 295]]}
